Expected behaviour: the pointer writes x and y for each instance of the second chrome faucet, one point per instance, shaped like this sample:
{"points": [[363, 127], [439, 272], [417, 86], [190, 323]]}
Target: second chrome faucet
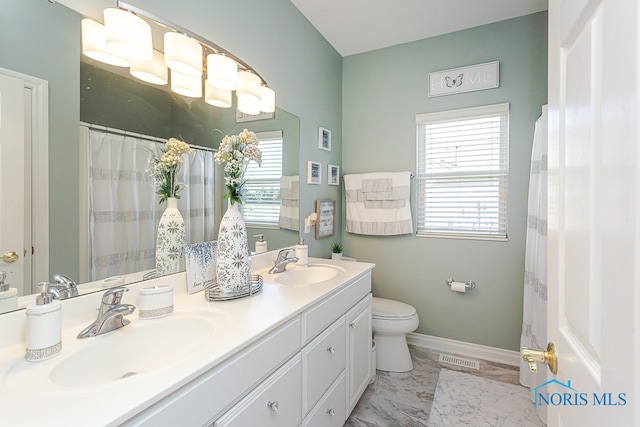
{"points": [[283, 260], [110, 314]]}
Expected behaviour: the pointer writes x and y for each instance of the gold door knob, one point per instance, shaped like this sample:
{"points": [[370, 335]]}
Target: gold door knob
{"points": [[533, 355], [10, 257]]}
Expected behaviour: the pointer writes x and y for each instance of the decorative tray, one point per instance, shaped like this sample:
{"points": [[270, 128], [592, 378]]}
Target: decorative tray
{"points": [[213, 293]]}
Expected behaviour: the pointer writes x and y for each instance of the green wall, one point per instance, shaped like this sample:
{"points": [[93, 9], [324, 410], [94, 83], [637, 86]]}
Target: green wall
{"points": [[274, 38], [383, 91], [31, 43], [42, 39]]}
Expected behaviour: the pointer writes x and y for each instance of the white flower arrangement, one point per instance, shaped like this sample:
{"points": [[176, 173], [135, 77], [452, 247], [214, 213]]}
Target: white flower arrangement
{"points": [[163, 168], [237, 151]]}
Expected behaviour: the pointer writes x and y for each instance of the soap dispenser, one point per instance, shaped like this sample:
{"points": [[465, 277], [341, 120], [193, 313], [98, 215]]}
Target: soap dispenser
{"points": [[44, 326], [8, 296], [302, 253], [261, 244]]}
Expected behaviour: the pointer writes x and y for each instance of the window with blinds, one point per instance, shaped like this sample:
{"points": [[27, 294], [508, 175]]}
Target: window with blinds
{"points": [[462, 173], [261, 205]]}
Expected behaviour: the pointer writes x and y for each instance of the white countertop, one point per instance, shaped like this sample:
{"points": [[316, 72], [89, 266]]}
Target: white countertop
{"points": [[36, 400]]}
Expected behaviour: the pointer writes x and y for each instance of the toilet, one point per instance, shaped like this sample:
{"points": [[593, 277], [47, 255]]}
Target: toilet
{"points": [[392, 321]]}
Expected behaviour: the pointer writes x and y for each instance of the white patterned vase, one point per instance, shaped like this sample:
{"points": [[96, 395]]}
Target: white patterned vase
{"points": [[233, 263], [171, 240]]}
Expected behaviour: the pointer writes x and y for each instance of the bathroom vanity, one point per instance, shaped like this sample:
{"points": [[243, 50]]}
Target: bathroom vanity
{"points": [[294, 354]]}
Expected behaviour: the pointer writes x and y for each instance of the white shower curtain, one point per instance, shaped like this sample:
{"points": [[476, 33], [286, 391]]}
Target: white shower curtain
{"points": [[123, 209], [534, 322]]}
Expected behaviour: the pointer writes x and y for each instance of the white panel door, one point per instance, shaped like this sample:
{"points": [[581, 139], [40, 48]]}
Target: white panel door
{"points": [[12, 185], [594, 213]]}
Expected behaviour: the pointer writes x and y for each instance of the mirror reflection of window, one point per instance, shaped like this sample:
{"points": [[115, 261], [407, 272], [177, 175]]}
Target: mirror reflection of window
{"points": [[261, 207]]}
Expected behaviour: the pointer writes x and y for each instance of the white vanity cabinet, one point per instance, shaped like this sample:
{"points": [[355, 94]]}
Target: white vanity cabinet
{"points": [[339, 367], [309, 371], [335, 361], [359, 339]]}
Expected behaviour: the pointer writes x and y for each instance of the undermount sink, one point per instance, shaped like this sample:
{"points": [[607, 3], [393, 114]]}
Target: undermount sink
{"points": [[133, 349], [313, 273]]}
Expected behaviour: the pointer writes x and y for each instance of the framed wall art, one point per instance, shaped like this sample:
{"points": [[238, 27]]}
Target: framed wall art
{"points": [[325, 225], [333, 175], [324, 139], [464, 79], [314, 172]]}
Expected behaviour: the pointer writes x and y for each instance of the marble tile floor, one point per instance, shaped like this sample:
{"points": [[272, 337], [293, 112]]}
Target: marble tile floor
{"points": [[405, 399]]}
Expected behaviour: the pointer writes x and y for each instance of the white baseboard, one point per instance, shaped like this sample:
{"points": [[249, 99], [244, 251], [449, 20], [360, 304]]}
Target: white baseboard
{"points": [[492, 354]]}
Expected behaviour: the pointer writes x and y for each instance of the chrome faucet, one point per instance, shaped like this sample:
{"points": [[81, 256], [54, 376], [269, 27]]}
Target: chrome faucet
{"points": [[63, 287], [282, 260], [110, 314]]}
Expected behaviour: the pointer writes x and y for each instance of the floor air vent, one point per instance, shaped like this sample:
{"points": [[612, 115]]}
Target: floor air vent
{"points": [[459, 361]]}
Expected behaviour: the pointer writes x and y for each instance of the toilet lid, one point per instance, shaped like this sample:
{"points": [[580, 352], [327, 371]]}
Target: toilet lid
{"points": [[390, 309]]}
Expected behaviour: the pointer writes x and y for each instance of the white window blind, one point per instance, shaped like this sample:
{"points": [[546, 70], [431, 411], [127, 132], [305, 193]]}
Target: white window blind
{"points": [[262, 205], [462, 172]]}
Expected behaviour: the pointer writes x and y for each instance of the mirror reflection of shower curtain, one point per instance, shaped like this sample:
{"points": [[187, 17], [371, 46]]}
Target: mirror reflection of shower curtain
{"points": [[123, 209], [534, 317]]}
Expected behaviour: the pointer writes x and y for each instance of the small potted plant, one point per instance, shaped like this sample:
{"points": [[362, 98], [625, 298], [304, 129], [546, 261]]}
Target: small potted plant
{"points": [[336, 251]]}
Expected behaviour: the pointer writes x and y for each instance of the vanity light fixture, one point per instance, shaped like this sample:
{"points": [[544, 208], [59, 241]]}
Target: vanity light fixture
{"points": [[222, 71], [94, 44], [128, 35], [248, 105], [267, 100], [183, 54], [154, 71], [125, 40], [190, 86], [216, 96], [248, 86]]}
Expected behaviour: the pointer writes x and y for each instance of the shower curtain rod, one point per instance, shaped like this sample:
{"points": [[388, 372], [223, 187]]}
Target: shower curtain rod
{"points": [[120, 132]]}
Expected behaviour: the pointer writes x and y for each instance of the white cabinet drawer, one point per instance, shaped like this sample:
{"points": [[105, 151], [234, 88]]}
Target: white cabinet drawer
{"points": [[275, 402], [323, 314], [322, 361], [330, 411], [201, 400]]}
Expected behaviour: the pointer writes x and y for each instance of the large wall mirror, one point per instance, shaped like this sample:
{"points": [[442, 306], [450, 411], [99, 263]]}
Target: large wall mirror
{"points": [[44, 42]]}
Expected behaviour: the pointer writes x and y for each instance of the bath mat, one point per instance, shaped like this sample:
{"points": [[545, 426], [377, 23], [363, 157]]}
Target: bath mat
{"points": [[467, 400]]}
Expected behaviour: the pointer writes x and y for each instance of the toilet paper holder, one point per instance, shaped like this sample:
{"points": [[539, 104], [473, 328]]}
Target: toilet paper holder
{"points": [[468, 284]]}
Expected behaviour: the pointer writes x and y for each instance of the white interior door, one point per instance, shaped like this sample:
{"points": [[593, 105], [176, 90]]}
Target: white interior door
{"points": [[12, 185], [594, 213]]}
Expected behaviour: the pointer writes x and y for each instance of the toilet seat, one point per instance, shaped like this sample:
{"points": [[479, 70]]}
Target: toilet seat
{"points": [[391, 310]]}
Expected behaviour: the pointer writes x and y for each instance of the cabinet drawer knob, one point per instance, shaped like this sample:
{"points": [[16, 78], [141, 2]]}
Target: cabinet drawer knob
{"points": [[331, 349], [331, 412], [273, 406], [352, 325]]}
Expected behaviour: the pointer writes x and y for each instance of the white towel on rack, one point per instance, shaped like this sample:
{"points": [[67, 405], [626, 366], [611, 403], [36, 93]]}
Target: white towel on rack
{"points": [[289, 202], [378, 203]]}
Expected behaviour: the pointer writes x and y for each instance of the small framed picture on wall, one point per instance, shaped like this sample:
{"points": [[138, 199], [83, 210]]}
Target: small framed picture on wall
{"points": [[325, 225], [333, 175], [324, 139], [314, 172]]}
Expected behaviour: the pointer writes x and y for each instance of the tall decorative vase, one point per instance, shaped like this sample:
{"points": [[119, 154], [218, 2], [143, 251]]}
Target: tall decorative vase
{"points": [[171, 240], [233, 263]]}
